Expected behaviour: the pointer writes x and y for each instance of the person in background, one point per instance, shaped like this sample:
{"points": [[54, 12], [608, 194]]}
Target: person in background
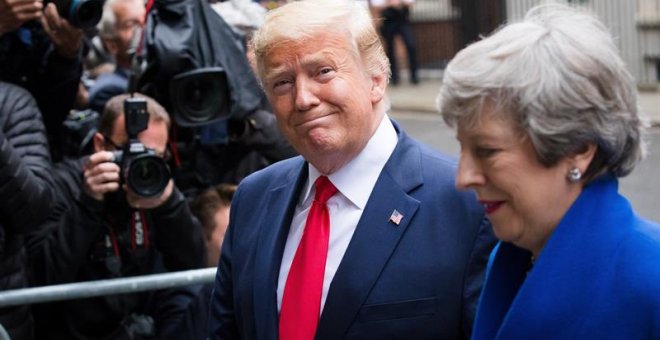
{"points": [[117, 27], [547, 118], [395, 16], [101, 229], [26, 194], [211, 207], [41, 52], [213, 140], [363, 236]]}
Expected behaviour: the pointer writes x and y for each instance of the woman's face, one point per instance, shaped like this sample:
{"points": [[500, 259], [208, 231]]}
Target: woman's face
{"points": [[523, 199]]}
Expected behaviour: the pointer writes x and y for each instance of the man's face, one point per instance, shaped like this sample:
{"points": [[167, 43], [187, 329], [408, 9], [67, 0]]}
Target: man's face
{"points": [[221, 219], [129, 15], [323, 98], [154, 137]]}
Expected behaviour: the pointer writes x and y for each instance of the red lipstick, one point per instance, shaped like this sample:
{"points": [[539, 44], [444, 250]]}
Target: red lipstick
{"points": [[491, 206]]}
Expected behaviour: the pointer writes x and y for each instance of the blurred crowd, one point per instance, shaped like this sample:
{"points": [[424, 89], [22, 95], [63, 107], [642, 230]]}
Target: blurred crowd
{"points": [[126, 127], [103, 174]]}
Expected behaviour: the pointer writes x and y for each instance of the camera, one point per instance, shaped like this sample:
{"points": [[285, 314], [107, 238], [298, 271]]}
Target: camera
{"points": [[79, 13], [200, 96], [145, 173]]}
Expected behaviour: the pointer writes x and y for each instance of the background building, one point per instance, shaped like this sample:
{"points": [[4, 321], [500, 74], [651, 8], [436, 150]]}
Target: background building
{"points": [[443, 27]]}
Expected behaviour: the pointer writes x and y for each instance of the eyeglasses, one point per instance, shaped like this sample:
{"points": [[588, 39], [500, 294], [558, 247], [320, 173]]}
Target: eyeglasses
{"points": [[110, 142], [166, 155]]}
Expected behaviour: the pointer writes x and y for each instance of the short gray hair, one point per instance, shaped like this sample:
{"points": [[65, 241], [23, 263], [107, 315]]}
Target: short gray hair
{"points": [[107, 26], [560, 76], [299, 20]]}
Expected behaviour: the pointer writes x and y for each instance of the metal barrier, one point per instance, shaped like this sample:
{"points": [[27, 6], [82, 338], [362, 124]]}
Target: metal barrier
{"points": [[105, 287], [3, 334]]}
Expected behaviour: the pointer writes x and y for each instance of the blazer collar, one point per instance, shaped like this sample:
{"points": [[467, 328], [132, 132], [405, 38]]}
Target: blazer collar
{"points": [[276, 222], [375, 238]]}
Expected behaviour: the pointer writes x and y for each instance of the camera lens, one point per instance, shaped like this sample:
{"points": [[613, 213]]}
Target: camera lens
{"points": [[148, 175], [200, 96], [85, 13]]}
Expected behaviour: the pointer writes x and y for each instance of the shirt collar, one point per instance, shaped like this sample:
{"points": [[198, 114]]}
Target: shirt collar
{"points": [[357, 178]]}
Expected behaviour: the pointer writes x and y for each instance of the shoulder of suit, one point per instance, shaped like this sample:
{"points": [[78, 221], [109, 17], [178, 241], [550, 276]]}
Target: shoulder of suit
{"points": [[435, 159], [275, 174]]}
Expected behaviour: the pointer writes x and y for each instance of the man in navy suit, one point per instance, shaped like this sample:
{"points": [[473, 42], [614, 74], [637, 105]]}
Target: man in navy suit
{"points": [[401, 252]]}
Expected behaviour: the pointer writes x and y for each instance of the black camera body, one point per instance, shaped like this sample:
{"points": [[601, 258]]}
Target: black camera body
{"points": [[79, 13], [145, 173]]}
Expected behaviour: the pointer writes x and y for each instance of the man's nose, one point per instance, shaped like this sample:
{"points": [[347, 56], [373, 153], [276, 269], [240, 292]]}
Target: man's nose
{"points": [[306, 97]]}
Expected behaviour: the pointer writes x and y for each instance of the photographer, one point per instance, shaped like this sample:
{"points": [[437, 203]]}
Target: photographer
{"points": [[41, 52], [116, 29], [104, 228], [197, 67], [25, 192]]}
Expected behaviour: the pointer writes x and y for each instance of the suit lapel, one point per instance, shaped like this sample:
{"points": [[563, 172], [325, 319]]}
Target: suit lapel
{"points": [[374, 240], [276, 222]]}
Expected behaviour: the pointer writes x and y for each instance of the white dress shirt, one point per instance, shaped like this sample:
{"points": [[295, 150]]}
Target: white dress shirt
{"points": [[354, 183]]}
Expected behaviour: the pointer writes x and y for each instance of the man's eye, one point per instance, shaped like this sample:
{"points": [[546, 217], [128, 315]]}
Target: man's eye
{"points": [[280, 83], [129, 24], [483, 152]]}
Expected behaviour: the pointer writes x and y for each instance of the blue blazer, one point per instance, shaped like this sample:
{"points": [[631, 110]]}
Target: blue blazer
{"points": [[416, 280], [598, 277]]}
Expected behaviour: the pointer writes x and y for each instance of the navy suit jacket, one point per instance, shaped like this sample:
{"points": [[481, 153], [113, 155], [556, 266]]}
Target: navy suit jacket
{"points": [[598, 277], [416, 280]]}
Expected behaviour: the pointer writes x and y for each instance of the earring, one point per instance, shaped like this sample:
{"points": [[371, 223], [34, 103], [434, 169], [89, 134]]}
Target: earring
{"points": [[574, 175]]}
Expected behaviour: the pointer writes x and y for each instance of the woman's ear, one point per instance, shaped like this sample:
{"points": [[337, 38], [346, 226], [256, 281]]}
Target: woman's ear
{"points": [[582, 159]]}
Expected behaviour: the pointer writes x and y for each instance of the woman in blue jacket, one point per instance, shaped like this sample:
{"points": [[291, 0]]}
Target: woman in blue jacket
{"points": [[546, 115]]}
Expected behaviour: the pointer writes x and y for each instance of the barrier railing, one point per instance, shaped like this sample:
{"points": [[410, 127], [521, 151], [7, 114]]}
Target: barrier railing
{"points": [[87, 289]]}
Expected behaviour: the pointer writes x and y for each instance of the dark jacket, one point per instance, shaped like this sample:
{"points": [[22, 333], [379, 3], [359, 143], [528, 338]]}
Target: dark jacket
{"points": [[90, 240], [25, 191], [252, 144], [186, 35], [28, 59], [186, 313]]}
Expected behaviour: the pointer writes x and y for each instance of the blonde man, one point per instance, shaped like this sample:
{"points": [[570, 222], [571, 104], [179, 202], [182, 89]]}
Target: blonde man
{"points": [[364, 236]]}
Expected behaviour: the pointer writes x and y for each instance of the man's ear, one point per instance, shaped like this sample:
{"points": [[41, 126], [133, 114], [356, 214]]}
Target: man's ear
{"points": [[378, 85], [99, 142]]}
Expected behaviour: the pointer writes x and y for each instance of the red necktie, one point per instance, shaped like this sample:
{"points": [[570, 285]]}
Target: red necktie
{"points": [[301, 302]]}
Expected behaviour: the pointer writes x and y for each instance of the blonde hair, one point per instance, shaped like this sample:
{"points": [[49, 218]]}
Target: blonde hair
{"points": [[300, 20]]}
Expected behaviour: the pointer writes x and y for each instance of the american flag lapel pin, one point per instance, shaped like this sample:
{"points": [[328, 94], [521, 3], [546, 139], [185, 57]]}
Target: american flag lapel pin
{"points": [[396, 217]]}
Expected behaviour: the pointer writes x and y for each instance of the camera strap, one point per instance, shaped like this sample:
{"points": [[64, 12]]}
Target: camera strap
{"points": [[139, 230], [112, 259], [173, 149]]}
